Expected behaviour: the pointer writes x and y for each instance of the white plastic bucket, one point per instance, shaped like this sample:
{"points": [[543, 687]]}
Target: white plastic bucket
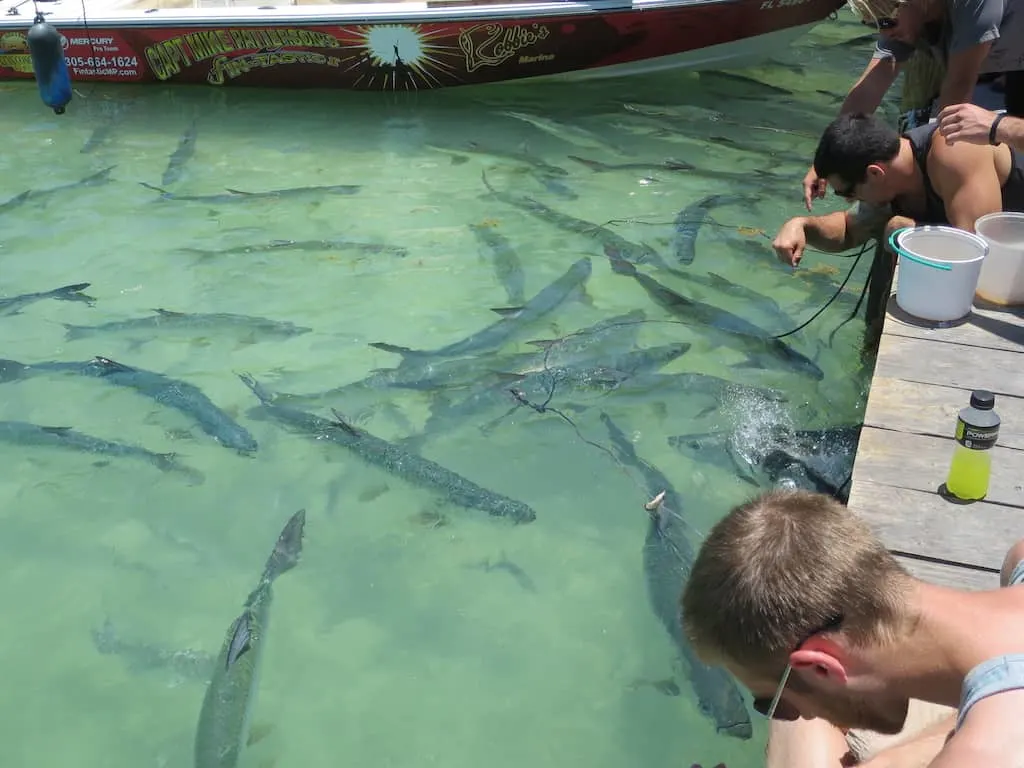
{"points": [[939, 270], [1002, 274]]}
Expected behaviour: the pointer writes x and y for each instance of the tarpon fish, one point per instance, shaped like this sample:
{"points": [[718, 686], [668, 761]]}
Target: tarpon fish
{"points": [[573, 134], [818, 460], [760, 301], [505, 260], [238, 196], [556, 186], [760, 345], [610, 336], [172, 393], [165, 320], [25, 433], [230, 698], [92, 180], [604, 373], [668, 557], [616, 247], [525, 158], [14, 304], [599, 167], [304, 245], [142, 657], [392, 458], [181, 155], [512, 319], [689, 221]]}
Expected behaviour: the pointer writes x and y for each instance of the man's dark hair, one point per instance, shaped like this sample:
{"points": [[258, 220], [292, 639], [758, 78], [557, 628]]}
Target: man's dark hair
{"points": [[851, 143]]}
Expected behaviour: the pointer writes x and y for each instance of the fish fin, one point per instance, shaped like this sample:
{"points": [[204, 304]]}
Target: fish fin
{"points": [[262, 394], [394, 348], [111, 366], [257, 733], [167, 312], [507, 311], [706, 411], [241, 636], [341, 422], [56, 430], [678, 165], [238, 192], [719, 282], [583, 297], [544, 343], [72, 332], [154, 188], [459, 159], [73, 293]]}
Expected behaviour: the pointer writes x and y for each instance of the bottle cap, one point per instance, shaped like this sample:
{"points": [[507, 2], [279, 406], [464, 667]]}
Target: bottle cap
{"points": [[983, 400]]}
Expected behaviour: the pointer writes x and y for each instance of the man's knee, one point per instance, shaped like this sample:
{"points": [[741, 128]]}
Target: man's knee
{"points": [[1013, 558]]}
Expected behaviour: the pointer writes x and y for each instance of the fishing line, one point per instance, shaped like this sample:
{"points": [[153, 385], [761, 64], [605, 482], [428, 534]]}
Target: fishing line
{"points": [[828, 303]]}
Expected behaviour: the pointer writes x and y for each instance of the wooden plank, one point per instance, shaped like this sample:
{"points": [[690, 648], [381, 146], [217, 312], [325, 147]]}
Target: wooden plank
{"points": [[958, 365], [922, 523], [988, 328], [931, 409], [949, 575], [920, 463]]}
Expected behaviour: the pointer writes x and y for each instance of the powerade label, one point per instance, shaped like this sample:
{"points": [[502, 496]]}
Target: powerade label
{"points": [[976, 438]]}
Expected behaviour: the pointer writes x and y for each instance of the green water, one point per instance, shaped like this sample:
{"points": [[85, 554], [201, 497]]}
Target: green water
{"points": [[385, 648]]}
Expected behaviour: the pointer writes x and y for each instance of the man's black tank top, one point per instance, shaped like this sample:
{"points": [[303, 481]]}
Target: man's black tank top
{"points": [[935, 210]]}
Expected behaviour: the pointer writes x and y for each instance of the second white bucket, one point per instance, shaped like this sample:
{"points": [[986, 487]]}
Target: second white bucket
{"points": [[939, 270]]}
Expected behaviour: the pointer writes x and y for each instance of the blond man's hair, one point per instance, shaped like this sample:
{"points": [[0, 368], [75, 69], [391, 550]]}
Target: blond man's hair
{"points": [[781, 566]]}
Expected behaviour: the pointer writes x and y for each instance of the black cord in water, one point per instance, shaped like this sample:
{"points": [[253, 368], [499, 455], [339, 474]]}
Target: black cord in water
{"points": [[834, 296]]}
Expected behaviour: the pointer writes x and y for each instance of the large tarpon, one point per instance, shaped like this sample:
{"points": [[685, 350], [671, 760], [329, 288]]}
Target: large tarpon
{"points": [[496, 333], [813, 459], [503, 256], [173, 393], [668, 558], [760, 346], [25, 433], [230, 697], [166, 320], [616, 247], [182, 154], [14, 304], [394, 459]]}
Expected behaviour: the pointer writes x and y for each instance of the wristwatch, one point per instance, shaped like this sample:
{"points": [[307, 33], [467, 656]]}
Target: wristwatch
{"points": [[992, 130]]}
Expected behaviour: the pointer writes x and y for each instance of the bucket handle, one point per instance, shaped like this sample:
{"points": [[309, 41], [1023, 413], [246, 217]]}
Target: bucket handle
{"points": [[911, 257]]}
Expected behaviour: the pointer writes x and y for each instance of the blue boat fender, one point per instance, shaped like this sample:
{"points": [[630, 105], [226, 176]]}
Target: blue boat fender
{"points": [[46, 49]]}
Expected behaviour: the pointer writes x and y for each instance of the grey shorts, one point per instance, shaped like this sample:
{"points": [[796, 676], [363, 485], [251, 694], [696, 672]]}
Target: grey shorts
{"points": [[998, 675]]}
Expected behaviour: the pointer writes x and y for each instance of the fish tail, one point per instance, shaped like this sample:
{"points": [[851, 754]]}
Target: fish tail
{"points": [[72, 332], [288, 548], [73, 293]]}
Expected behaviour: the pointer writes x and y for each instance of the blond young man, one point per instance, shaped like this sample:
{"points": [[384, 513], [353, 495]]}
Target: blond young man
{"points": [[794, 595]]}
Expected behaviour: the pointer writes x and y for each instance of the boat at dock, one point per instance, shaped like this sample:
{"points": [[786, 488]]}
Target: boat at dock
{"points": [[399, 45]]}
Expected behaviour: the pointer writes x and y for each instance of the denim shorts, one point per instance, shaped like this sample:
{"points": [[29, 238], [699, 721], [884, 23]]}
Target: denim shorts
{"points": [[998, 675]]}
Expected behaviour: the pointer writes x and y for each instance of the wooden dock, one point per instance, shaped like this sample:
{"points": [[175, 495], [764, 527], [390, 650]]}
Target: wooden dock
{"points": [[923, 377]]}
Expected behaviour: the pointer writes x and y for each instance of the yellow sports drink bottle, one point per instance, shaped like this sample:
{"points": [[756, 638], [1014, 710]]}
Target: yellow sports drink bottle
{"points": [[977, 429]]}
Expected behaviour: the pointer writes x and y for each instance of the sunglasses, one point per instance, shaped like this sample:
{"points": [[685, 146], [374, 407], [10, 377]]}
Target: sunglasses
{"points": [[883, 24], [847, 193], [774, 708]]}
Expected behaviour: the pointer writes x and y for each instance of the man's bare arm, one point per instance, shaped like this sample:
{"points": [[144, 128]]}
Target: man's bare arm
{"points": [[962, 75]]}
